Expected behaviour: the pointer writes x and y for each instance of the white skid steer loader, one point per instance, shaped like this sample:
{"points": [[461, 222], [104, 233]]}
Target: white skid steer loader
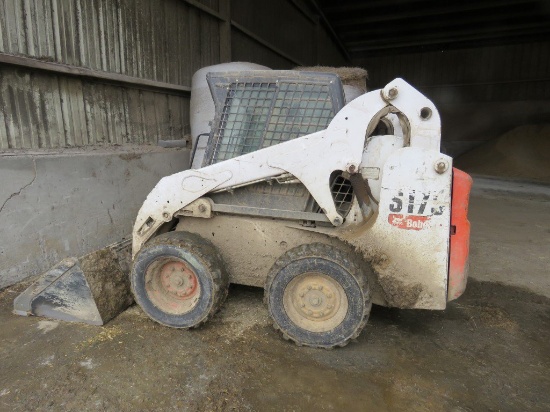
{"points": [[329, 207]]}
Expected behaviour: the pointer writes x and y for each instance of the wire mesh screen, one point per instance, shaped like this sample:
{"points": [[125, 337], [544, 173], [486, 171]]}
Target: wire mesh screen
{"points": [[254, 111], [243, 119], [299, 109], [342, 193]]}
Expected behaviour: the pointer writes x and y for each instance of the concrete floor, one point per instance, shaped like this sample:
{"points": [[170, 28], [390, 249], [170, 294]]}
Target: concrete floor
{"points": [[510, 238], [490, 350]]}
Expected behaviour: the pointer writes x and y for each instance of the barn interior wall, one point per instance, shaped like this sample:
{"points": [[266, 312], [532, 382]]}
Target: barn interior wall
{"points": [[481, 92], [88, 88], [163, 42]]}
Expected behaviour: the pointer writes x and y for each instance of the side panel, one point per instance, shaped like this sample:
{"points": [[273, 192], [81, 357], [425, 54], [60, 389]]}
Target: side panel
{"points": [[408, 244], [460, 234], [250, 245]]}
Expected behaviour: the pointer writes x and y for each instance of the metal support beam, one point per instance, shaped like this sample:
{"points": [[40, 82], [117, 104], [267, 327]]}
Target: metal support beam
{"points": [[66, 69], [317, 40], [207, 9], [438, 27], [331, 31], [445, 9], [224, 16], [448, 38], [264, 212], [266, 44], [374, 8], [299, 6]]}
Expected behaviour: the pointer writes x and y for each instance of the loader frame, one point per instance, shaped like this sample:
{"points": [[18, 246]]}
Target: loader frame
{"points": [[399, 220]]}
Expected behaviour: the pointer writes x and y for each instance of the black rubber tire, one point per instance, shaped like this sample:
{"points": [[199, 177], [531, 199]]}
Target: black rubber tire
{"points": [[207, 264], [344, 267]]}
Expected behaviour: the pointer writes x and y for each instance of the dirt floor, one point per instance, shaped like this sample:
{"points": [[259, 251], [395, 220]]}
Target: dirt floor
{"points": [[490, 350], [523, 152]]}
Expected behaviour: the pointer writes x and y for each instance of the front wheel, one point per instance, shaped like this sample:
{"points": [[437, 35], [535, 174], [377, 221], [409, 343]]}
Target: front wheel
{"points": [[318, 295], [179, 279]]}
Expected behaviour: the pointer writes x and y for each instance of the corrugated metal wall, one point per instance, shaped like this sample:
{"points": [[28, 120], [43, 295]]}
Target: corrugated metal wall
{"points": [[295, 35], [163, 41], [299, 37], [43, 110], [489, 74], [480, 92], [141, 38]]}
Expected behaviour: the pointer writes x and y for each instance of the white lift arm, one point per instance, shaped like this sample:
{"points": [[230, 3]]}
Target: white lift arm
{"points": [[311, 158]]}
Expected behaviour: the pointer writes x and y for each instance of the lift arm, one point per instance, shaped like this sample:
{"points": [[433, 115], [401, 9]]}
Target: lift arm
{"points": [[311, 158]]}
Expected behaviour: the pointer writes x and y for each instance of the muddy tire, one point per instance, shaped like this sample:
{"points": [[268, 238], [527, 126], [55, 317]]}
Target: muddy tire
{"points": [[179, 279], [318, 295]]}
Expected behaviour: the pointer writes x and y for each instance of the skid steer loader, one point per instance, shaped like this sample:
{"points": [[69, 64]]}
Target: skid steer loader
{"points": [[329, 207]]}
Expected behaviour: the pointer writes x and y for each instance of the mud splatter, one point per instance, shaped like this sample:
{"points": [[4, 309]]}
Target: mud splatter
{"points": [[398, 294], [47, 325]]}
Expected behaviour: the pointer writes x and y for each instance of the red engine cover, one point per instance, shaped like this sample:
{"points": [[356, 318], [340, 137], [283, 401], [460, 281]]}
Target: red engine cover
{"points": [[460, 234]]}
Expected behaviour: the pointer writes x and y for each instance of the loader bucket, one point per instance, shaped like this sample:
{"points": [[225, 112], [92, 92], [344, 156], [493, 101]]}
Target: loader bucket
{"points": [[91, 289]]}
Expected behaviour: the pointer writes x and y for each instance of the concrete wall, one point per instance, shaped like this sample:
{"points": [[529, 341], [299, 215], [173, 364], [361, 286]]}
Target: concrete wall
{"points": [[68, 203]]}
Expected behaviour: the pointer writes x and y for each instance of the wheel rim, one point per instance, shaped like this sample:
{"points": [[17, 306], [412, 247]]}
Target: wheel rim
{"points": [[172, 285], [315, 302]]}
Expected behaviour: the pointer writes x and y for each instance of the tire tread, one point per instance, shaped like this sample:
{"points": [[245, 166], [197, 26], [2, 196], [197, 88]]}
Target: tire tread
{"points": [[348, 259]]}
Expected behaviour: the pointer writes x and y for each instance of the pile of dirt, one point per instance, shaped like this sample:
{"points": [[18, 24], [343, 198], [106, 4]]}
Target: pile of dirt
{"points": [[523, 152], [352, 76]]}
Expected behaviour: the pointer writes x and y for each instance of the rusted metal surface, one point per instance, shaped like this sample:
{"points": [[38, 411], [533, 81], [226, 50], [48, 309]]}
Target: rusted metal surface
{"points": [[172, 285]]}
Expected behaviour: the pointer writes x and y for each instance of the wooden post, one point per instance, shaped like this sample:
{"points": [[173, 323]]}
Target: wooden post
{"points": [[225, 31], [316, 40]]}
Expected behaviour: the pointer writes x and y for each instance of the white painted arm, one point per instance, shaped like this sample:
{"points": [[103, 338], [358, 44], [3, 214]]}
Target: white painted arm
{"points": [[311, 159]]}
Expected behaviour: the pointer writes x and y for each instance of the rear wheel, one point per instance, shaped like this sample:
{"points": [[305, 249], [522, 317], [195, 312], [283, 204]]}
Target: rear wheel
{"points": [[318, 296], [179, 280]]}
